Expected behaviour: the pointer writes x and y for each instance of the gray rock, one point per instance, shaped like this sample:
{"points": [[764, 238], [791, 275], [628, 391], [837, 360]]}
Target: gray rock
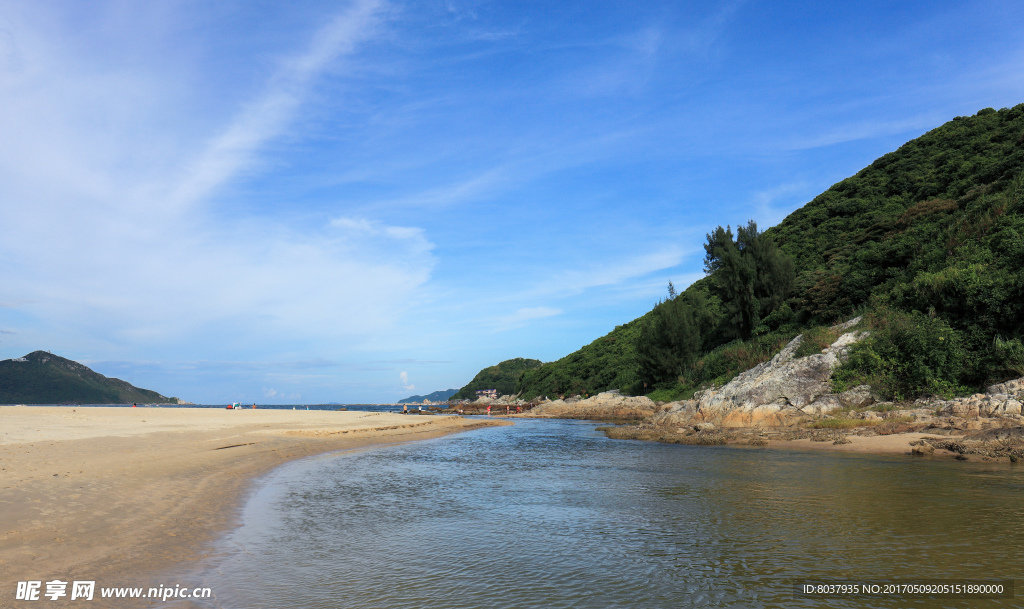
{"points": [[823, 405], [923, 449], [1012, 406], [857, 398], [966, 409], [1013, 387], [781, 391]]}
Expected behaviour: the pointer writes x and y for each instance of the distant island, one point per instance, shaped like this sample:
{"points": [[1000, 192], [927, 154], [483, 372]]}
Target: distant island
{"points": [[43, 378], [437, 396]]}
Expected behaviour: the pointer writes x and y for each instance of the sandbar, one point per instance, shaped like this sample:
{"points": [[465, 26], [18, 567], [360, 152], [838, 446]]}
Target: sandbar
{"points": [[114, 494], [893, 444]]}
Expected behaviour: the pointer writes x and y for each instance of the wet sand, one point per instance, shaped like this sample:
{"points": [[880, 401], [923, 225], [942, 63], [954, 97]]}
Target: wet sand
{"points": [[116, 494], [893, 444]]}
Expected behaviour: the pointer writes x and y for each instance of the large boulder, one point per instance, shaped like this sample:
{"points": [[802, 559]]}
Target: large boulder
{"points": [[857, 398], [781, 391]]}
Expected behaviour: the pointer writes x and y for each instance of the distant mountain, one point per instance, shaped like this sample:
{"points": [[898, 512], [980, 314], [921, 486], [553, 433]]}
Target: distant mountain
{"points": [[44, 378], [437, 396], [502, 377]]}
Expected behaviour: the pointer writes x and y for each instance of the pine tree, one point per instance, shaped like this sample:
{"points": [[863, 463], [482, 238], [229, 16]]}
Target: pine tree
{"points": [[669, 342], [750, 275]]}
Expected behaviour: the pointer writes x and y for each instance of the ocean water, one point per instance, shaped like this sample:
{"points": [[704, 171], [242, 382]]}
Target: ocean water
{"points": [[552, 514]]}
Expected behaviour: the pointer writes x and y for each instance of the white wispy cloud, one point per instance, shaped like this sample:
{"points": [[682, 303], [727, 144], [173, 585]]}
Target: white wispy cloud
{"points": [[525, 315], [110, 226], [404, 376], [265, 117], [412, 240], [579, 280], [468, 189], [852, 131], [274, 396], [773, 204]]}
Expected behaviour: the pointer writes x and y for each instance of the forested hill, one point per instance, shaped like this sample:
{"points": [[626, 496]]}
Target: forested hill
{"points": [[436, 396], [44, 378], [927, 241], [502, 377]]}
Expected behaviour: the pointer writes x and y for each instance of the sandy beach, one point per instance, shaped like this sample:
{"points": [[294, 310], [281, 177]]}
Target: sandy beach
{"points": [[114, 494]]}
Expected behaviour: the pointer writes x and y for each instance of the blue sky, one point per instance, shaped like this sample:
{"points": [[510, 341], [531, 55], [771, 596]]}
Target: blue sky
{"points": [[357, 201]]}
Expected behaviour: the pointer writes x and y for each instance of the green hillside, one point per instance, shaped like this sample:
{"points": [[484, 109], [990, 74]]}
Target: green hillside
{"points": [[607, 363], [927, 241], [436, 396], [502, 377], [43, 378]]}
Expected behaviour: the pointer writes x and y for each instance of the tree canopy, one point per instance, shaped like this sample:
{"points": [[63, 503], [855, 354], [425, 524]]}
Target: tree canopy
{"points": [[750, 276]]}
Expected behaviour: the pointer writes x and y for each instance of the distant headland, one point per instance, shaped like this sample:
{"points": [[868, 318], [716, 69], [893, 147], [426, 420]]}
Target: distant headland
{"points": [[43, 378]]}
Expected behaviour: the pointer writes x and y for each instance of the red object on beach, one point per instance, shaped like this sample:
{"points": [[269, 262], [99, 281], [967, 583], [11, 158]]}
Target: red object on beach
{"points": [[133, 404]]}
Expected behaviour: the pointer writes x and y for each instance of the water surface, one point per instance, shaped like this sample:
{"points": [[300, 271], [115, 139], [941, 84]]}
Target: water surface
{"points": [[552, 514]]}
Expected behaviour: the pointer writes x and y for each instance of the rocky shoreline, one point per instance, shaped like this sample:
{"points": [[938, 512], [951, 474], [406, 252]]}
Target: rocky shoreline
{"points": [[790, 398]]}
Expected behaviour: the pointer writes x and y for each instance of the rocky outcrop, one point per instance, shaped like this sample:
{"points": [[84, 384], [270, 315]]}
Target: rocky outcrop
{"points": [[603, 406], [781, 391], [1003, 400]]}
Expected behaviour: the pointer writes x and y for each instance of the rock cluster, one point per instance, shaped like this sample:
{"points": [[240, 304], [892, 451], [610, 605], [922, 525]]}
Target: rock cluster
{"points": [[1002, 400], [608, 405]]}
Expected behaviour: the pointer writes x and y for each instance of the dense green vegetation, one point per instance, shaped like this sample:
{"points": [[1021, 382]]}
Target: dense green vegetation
{"points": [[607, 363], [43, 378], [750, 277], [436, 396], [928, 241], [909, 355], [502, 377]]}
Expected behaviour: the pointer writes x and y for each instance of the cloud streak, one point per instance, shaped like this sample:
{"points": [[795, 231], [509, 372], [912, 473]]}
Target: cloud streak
{"points": [[525, 315], [264, 118], [139, 252]]}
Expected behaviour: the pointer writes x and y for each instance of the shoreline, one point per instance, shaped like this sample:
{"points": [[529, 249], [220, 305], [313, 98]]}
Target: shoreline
{"points": [[918, 443], [889, 444], [892, 444], [118, 495]]}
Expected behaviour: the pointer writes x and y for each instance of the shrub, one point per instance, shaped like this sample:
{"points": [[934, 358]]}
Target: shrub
{"points": [[815, 340], [908, 355]]}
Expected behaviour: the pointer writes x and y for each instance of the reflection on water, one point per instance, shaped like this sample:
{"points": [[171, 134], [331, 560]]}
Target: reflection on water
{"points": [[552, 514]]}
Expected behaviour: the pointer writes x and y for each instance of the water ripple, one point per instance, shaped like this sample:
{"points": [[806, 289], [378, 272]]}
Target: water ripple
{"points": [[552, 514]]}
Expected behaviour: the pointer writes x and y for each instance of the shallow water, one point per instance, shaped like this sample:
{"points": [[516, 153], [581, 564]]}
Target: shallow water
{"points": [[552, 514]]}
